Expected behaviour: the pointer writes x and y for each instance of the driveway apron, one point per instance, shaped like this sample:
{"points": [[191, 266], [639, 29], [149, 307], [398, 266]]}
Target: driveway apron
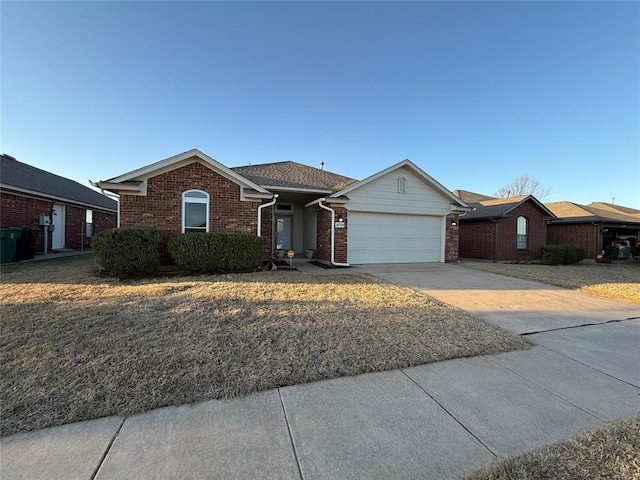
{"points": [[516, 305]]}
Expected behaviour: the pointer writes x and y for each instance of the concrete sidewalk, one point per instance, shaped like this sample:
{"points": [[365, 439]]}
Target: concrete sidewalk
{"points": [[432, 421]]}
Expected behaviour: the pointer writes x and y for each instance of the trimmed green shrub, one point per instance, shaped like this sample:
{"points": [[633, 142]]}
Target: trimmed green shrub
{"points": [[565, 254], [217, 252], [128, 252], [574, 254]]}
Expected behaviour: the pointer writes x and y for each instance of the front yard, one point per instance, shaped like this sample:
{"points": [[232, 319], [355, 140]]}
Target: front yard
{"points": [[76, 346], [619, 280]]}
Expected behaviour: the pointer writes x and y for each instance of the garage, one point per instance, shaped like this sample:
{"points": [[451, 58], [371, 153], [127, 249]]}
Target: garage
{"points": [[394, 238]]}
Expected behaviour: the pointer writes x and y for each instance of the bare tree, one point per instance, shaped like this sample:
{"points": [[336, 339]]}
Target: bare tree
{"points": [[524, 185]]}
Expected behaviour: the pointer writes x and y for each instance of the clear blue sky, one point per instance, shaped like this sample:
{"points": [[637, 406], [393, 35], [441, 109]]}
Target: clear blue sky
{"points": [[475, 93]]}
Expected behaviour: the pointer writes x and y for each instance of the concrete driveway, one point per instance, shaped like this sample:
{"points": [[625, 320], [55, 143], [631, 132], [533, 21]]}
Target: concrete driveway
{"points": [[434, 421], [601, 333]]}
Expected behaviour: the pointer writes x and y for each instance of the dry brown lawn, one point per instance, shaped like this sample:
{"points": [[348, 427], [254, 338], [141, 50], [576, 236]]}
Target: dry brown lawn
{"points": [[609, 452], [619, 280], [77, 346]]}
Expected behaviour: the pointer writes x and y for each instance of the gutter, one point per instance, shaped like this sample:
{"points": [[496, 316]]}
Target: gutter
{"points": [[495, 246], [270, 204], [333, 234]]}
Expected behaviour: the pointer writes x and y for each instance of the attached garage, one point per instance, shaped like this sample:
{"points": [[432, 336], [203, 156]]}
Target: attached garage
{"points": [[399, 215], [394, 238]]}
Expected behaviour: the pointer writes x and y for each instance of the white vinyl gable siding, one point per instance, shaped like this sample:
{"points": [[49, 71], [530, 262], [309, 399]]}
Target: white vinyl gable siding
{"points": [[382, 195]]}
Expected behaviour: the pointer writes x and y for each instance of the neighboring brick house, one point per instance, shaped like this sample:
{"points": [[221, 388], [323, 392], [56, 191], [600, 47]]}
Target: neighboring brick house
{"points": [[595, 226], [400, 214], [27, 192], [503, 229]]}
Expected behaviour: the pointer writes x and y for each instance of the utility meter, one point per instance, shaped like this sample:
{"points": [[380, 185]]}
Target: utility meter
{"points": [[45, 220]]}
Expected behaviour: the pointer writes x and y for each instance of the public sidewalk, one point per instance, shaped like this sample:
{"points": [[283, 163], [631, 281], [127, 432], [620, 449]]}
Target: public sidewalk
{"points": [[431, 421]]}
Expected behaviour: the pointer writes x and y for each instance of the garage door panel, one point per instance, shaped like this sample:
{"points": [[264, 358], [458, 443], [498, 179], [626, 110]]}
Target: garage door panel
{"points": [[394, 238]]}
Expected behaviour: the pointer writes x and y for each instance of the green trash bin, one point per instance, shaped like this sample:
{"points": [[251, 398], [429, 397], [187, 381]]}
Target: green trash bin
{"points": [[8, 240]]}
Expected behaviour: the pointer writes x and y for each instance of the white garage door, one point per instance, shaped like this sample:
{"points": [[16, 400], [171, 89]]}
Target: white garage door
{"points": [[392, 238]]}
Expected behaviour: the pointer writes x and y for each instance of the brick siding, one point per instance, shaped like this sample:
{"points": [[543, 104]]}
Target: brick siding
{"points": [[452, 239], [20, 210], [323, 236], [477, 238], [162, 206], [586, 235]]}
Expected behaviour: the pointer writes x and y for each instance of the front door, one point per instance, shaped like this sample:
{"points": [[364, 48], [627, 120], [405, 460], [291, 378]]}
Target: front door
{"points": [[284, 231], [57, 220]]}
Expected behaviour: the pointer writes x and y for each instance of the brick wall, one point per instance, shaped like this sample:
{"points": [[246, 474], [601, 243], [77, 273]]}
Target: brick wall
{"points": [[452, 239], [323, 235], [340, 236], [477, 238], [586, 235], [24, 211], [536, 234], [162, 206], [267, 232]]}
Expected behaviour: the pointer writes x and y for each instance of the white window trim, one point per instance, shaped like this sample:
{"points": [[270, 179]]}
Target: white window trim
{"points": [[525, 234], [194, 200]]}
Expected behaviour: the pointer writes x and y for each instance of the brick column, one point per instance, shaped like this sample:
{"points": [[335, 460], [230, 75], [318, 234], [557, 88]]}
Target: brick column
{"points": [[452, 239]]}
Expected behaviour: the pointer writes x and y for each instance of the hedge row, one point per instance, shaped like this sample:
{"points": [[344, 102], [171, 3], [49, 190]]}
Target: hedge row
{"points": [[217, 252], [128, 252], [565, 254], [135, 251]]}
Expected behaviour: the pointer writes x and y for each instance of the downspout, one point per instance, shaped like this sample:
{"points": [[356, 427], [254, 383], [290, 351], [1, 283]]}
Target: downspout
{"points": [[495, 241], [333, 234], [270, 204]]}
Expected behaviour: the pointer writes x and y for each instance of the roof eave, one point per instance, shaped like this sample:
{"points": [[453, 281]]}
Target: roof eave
{"points": [[58, 198], [167, 163], [405, 163]]}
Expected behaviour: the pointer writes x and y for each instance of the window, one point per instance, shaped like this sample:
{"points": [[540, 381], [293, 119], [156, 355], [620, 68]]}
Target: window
{"points": [[88, 216], [521, 242], [284, 207], [402, 185], [195, 211]]}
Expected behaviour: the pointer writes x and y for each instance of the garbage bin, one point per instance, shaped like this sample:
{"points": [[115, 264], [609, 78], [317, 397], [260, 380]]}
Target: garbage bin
{"points": [[8, 242], [26, 245]]}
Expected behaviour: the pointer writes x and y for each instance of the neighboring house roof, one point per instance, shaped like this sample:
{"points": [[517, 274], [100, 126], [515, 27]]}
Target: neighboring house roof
{"points": [[501, 207], [471, 197], [273, 176], [460, 204], [615, 208], [18, 176], [569, 212]]}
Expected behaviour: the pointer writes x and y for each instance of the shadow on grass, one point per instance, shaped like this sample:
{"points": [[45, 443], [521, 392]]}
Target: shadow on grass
{"points": [[67, 361]]}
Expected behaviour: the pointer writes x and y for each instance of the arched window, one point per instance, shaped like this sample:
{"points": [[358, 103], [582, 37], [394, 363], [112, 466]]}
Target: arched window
{"points": [[402, 185], [195, 211], [522, 227]]}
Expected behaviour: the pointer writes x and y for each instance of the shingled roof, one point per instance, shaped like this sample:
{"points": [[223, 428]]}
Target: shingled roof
{"points": [[499, 207], [293, 175], [471, 197], [569, 212], [22, 177]]}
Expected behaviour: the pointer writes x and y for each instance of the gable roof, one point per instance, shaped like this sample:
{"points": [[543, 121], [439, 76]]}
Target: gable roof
{"points": [[135, 181], [24, 178], [501, 207], [417, 171], [273, 176], [569, 212]]}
